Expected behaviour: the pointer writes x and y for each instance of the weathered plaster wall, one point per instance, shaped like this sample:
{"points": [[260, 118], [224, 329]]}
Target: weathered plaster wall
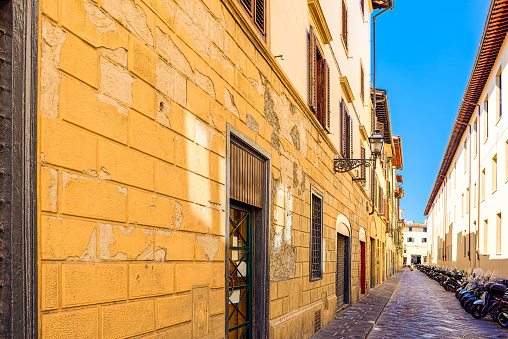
{"points": [[134, 101]]}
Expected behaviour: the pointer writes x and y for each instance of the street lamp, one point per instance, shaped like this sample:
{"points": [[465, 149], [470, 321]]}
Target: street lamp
{"points": [[376, 142]]}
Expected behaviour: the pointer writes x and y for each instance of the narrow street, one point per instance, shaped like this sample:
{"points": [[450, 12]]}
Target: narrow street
{"points": [[418, 308]]}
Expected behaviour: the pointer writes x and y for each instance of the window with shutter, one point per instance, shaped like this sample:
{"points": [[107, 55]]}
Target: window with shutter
{"points": [[319, 82], [343, 130], [363, 169], [362, 83], [257, 13], [312, 70], [351, 140], [344, 24]]}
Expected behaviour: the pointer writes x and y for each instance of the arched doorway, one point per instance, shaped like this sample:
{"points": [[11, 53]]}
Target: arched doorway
{"points": [[343, 263]]}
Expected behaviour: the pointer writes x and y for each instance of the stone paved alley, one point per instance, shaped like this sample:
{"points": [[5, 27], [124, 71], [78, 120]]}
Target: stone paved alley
{"points": [[419, 308]]}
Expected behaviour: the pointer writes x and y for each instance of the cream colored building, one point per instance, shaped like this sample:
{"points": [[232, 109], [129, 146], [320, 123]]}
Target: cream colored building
{"points": [[415, 243], [467, 210]]}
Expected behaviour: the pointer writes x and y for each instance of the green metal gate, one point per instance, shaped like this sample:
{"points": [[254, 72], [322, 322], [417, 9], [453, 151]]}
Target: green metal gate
{"points": [[240, 272]]}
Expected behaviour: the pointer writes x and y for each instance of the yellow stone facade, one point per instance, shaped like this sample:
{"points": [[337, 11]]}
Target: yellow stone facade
{"points": [[135, 97]]}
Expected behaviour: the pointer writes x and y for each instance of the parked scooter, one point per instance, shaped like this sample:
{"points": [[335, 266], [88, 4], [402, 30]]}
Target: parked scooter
{"points": [[496, 287]]}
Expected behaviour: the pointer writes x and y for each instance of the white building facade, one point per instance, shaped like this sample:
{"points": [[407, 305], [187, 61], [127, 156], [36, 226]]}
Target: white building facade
{"points": [[415, 243], [467, 209]]}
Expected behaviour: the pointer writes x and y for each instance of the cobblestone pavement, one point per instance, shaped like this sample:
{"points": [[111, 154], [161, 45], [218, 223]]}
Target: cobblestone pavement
{"points": [[357, 320], [421, 308]]}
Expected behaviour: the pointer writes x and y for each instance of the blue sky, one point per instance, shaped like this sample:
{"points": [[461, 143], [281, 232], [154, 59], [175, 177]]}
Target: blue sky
{"points": [[425, 55]]}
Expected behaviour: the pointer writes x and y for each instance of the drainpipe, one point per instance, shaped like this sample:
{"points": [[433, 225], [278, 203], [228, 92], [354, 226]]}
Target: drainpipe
{"points": [[374, 49], [477, 245], [479, 178]]}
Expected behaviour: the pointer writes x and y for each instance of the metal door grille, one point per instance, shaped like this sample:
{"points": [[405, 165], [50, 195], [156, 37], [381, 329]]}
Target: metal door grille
{"points": [[315, 259], [240, 282], [340, 281]]}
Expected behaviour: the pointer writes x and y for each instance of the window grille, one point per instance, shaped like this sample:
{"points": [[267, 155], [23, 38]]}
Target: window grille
{"points": [[316, 241]]}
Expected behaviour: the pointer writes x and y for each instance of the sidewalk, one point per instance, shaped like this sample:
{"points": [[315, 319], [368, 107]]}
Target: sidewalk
{"points": [[357, 320]]}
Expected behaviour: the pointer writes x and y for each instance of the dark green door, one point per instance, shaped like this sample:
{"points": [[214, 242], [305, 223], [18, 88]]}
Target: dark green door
{"points": [[240, 272]]}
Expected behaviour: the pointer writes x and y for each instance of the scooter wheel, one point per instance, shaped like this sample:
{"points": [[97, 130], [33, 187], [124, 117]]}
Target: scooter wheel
{"points": [[468, 305], [502, 319], [477, 311]]}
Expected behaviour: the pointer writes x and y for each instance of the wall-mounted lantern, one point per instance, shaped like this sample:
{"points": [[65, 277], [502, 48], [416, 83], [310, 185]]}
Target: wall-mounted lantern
{"points": [[376, 142]]}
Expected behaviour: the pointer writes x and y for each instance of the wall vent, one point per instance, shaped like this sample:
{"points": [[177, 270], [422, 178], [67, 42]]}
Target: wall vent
{"points": [[317, 321]]}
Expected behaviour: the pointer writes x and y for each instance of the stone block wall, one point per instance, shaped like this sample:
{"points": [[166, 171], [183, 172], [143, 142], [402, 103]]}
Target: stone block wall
{"points": [[134, 100]]}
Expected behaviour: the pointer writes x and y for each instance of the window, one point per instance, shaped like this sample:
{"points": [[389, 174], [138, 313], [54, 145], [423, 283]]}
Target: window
{"points": [[467, 200], [256, 11], [454, 174], [499, 95], [465, 244], [482, 184], [344, 25], [319, 82], [475, 133], [498, 233], [485, 236], [410, 229], [316, 244], [506, 160], [465, 156], [362, 7], [424, 240], [474, 197], [363, 170], [362, 83], [346, 129], [494, 173], [486, 119], [410, 239], [462, 205], [425, 229]]}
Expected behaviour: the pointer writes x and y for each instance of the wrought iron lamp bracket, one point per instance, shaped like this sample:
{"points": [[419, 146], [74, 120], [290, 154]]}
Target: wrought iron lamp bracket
{"points": [[346, 165]]}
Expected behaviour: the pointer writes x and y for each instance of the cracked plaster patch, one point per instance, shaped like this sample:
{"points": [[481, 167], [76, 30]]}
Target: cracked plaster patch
{"points": [[229, 102], [209, 244], [205, 83], [53, 39], [118, 55], [103, 23], [116, 82], [167, 49], [131, 16]]}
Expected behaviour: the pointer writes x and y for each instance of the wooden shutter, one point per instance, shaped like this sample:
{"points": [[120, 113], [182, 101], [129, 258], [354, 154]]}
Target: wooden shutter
{"points": [[351, 140], [312, 70], [326, 96], [344, 24], [362, 83], [248, 5], [343, 129], [363, 173], [260, 15], [247, 176]]}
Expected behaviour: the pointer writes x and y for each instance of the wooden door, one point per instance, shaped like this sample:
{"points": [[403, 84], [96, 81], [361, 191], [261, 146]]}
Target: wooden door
{"points": [[362, 267]]}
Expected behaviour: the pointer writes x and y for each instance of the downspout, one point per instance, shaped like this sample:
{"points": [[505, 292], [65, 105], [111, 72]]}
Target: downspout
{"points": [[374, 49], [477, 245], [479, 183], [373, 198]]}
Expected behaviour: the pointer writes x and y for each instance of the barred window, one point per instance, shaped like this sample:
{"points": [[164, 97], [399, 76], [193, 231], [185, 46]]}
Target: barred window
{"points": [[316, 243]]}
